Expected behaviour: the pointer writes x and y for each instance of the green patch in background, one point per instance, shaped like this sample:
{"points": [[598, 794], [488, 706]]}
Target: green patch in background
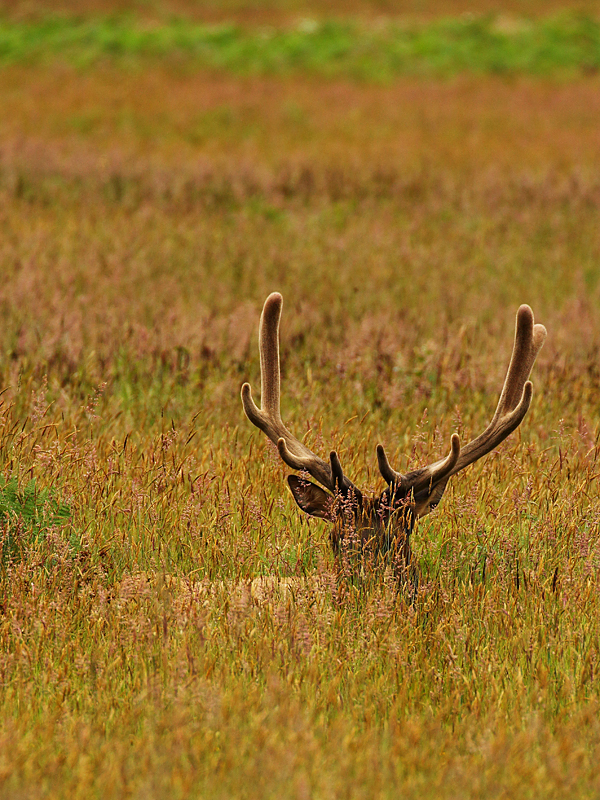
{"points": [[491, 44]]}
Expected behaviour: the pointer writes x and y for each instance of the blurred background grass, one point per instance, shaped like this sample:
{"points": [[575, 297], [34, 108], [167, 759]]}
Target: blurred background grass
{"points": [[275, 12], [375, 50]]}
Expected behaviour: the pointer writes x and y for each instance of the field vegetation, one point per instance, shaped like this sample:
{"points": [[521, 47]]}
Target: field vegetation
{"points": [[371, 50], [170, 625]]}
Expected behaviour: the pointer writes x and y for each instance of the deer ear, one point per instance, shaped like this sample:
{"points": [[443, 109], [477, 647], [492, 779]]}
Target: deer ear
{"points": [[311, 498]]}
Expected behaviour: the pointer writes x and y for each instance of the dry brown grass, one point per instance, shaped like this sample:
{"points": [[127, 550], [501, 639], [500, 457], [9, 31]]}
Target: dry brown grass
{"points": [[462, 126], [143, 219]]}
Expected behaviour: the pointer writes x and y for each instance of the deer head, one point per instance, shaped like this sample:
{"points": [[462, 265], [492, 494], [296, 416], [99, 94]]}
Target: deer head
{"points": [[383, 523]]}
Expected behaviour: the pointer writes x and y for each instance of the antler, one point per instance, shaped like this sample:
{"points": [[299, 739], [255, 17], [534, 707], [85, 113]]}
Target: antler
{"points": [[268, 417], [512, 406]]}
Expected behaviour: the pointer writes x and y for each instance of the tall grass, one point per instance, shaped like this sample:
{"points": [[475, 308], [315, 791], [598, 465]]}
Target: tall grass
{"points": [[139, 653]]}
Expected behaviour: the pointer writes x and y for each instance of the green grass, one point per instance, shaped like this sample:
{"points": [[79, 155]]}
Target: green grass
{"points": [[563, 44], [26, 515]]}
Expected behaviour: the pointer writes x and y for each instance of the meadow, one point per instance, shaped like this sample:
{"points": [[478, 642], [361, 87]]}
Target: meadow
{"points": [[171, 625]]}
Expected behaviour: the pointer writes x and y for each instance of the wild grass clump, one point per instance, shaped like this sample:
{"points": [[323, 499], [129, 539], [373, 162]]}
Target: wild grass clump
{"points": [[26, 516]]}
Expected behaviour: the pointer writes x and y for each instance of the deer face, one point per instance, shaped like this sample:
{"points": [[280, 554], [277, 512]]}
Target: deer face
{"points": [[380, 525], [383, 523]]}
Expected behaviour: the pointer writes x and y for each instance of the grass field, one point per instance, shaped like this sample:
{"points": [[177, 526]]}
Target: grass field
{"points": [[170, 625]]}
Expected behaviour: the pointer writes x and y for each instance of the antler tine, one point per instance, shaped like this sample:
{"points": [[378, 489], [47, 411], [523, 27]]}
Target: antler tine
{"points": [[513, 404], [268, 417], [529, 339], [516, 394], [268, 347]]}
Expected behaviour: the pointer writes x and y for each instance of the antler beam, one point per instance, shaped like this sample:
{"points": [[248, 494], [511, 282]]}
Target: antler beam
{"points": [[268, 418]]}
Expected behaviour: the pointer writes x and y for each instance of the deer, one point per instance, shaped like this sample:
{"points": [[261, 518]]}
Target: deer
{"points": [[382, 524]]}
